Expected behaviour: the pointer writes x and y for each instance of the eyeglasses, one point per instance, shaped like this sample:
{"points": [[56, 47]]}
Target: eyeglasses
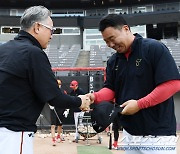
{"points": [[52, 29]]}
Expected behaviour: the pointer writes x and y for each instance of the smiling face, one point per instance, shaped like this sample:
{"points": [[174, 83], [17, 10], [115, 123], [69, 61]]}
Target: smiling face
{"points": [[120, 39]]}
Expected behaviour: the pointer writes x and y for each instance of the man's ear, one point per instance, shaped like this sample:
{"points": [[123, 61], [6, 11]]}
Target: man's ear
{"points": [[126, 27], [36, 28]]}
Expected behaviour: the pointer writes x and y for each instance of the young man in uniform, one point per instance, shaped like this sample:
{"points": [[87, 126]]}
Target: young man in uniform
{"points": [[56, 120], [142, 77], [76, 90], [27, 82]]}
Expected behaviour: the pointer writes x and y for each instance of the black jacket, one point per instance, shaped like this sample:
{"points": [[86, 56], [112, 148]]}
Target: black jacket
{"points": [[148, 65], [27, 83]]}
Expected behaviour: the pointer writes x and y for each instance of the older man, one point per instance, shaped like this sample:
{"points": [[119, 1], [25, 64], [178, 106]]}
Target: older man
{"points": [[27, 82]]}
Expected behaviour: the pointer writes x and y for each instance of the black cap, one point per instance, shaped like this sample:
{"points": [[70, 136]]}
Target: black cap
{"points": [[103, 115]]}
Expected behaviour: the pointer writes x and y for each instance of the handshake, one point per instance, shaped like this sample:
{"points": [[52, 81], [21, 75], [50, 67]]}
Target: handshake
{"points": [[87, 100]]}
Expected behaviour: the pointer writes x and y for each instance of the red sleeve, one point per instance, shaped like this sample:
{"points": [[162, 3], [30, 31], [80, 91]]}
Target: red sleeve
{"points": [[105, 94], [159, 94]]}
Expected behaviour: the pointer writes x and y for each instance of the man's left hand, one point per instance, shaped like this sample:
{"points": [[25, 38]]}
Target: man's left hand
{"points": [[130, 107]]}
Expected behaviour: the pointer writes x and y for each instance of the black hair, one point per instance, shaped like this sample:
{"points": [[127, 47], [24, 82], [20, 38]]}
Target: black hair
{"points": [[111, 20]]}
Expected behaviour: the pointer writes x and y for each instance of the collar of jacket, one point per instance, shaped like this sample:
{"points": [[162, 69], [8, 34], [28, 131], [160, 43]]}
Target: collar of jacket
{"points": [[23, 34], [134, 44]]}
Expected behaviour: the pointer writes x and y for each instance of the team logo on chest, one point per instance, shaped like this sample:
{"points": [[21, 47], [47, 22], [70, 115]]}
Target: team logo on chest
{"points": [[138, 61]]}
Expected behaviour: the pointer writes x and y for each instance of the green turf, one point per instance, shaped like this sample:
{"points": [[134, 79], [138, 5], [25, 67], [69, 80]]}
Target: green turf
{"points": [[93, 150]]}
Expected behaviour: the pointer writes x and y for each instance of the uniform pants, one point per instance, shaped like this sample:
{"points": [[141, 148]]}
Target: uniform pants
{"points": [[12, 142], [148, 144], [78, 120]]}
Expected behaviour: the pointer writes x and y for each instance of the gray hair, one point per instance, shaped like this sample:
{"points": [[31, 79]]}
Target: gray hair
{"points": [[32, 15]]}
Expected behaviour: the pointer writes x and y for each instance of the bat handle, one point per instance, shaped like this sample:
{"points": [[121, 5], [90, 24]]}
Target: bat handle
{"points": [[110, 141]]}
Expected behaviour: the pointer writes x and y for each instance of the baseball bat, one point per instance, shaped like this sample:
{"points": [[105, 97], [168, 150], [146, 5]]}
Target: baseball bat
{"points": [[58, 119], [110, 137], [57, 115]]}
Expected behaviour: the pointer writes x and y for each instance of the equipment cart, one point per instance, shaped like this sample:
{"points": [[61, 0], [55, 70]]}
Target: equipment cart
{"points": [[86, 130]]}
